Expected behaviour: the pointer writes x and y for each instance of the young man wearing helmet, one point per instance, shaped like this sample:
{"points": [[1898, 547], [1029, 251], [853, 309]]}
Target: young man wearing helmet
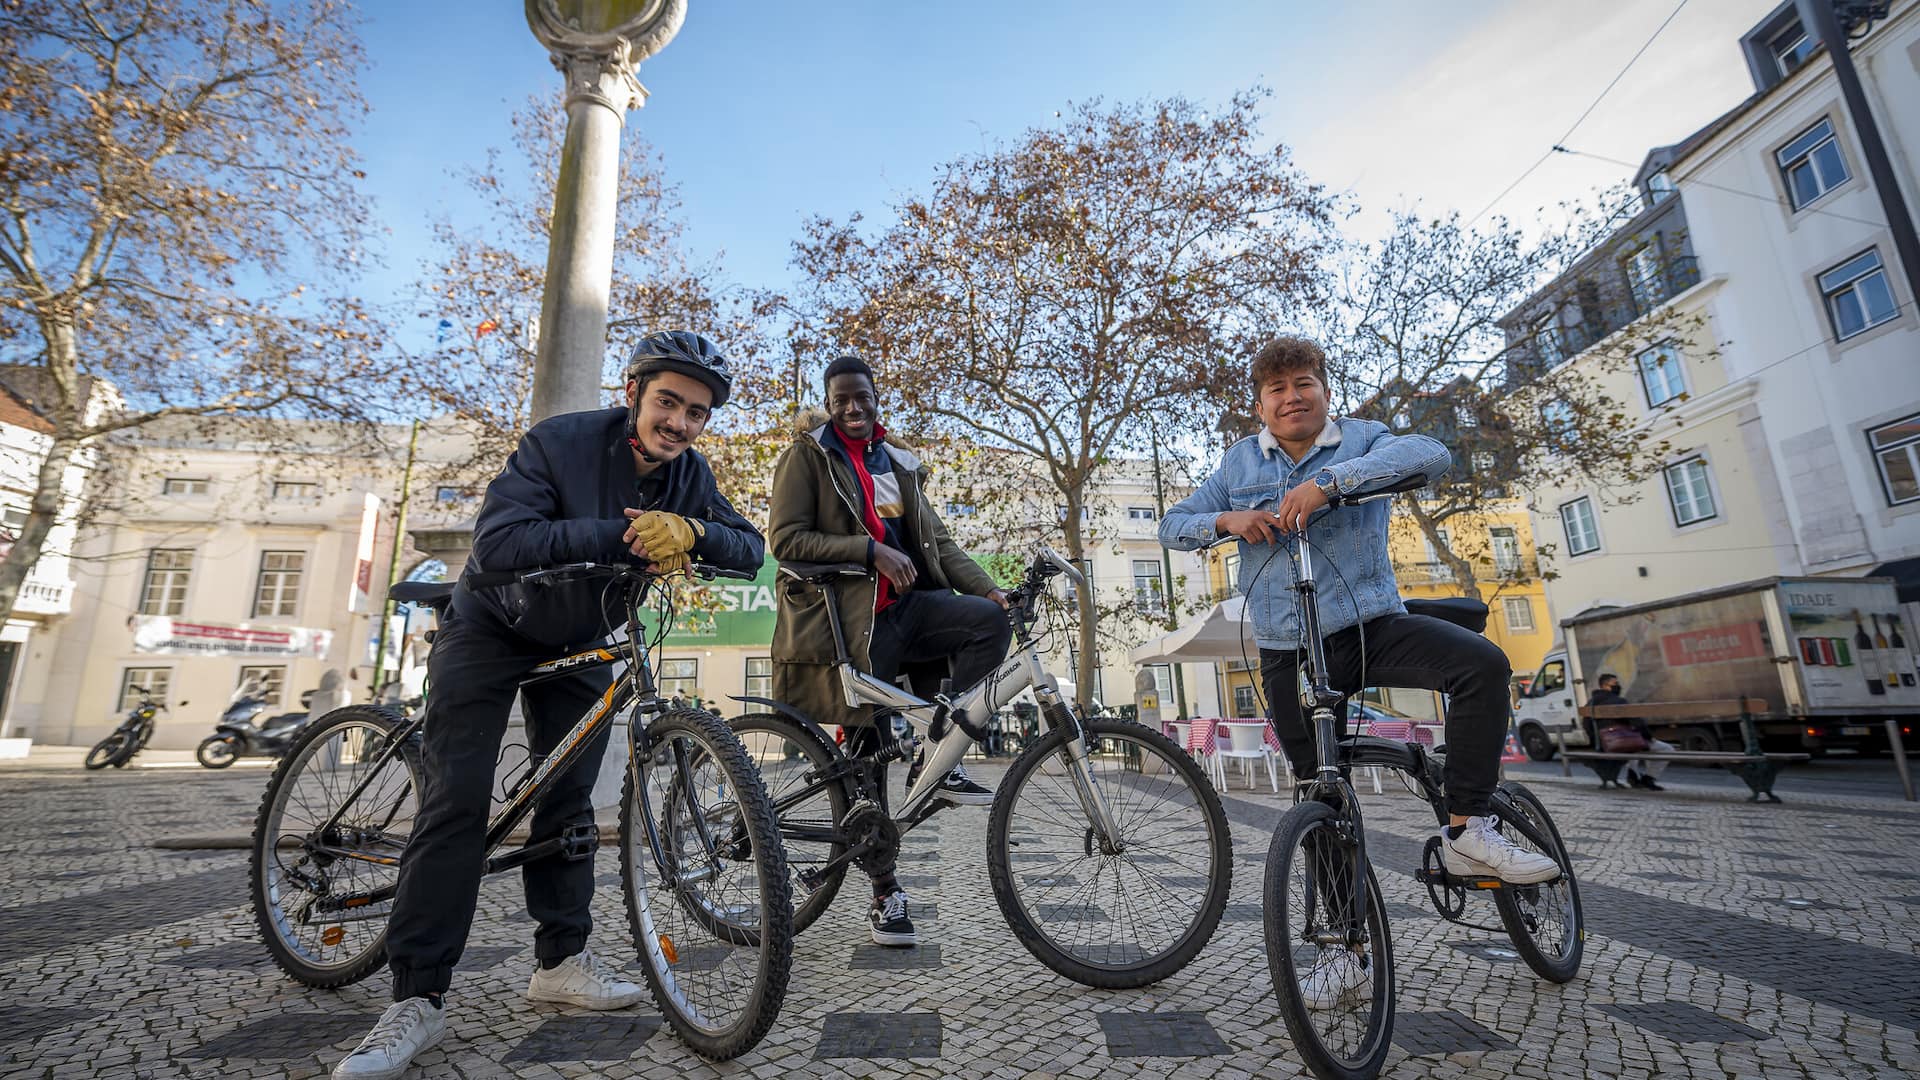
{"points": [[845, 492], [601, 486]]}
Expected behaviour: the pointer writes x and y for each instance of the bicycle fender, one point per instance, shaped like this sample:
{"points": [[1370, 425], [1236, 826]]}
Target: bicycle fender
{"points": [[818, 733]]}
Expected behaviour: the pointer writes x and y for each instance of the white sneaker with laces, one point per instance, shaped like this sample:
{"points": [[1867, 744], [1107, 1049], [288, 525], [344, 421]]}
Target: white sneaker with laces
{"points": [[584, 980], [1480, 851], [407, 1029], [1340, 974]]}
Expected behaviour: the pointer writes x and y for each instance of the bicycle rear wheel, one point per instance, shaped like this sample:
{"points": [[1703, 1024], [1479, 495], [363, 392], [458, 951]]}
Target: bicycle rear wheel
{"points": [[810, 811], [1106, 917], [705, 880], [1543, 920], [299, 891], [1332, 966]]}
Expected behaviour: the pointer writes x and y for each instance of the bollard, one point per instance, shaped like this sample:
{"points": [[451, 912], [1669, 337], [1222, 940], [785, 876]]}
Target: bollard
{"points": [[1899, 748]]}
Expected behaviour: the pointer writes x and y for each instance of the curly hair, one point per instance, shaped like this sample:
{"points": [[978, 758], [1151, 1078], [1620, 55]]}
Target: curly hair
{"points": [[1284, 355]]}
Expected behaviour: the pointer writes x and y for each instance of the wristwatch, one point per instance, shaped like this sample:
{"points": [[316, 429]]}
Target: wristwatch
{"points": [[1326, 483]]}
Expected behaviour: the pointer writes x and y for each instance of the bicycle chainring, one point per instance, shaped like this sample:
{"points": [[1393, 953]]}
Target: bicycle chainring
{"points": [[866, 824], [1448, 899]]}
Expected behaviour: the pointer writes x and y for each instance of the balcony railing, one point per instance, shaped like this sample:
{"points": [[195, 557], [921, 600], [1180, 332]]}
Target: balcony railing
{"points": [[1546, 349], [44, 598]]}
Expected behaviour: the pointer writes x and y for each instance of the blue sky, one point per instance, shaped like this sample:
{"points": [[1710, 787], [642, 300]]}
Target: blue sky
{"points": [[766, 113]]}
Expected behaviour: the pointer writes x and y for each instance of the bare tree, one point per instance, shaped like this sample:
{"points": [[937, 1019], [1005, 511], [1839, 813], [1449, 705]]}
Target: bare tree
{"points": [[1047, 296], [177, 202], [1420, 344]]}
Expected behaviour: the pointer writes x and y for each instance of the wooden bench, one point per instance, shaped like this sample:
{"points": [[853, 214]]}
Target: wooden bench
{"points": [[1757, 767]]}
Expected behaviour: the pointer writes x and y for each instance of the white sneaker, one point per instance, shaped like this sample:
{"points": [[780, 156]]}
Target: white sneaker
{"points": [[405, 1030], [1339, 974], [584, 980], [1480, 851]]}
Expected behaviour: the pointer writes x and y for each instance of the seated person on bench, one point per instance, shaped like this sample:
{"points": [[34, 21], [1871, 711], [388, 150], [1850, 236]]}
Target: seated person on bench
{"points": [[1640, 773]]}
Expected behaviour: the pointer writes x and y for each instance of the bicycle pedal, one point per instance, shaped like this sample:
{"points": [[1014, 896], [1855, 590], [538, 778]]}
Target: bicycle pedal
{"points": [[579, 842]]}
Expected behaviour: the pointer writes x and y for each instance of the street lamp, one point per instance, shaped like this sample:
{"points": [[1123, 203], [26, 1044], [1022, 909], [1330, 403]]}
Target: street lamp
{"points": [[598, 46]]}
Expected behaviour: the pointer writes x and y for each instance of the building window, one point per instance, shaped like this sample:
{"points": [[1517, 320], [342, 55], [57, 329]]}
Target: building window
{"points": [[1662, 375], [296, 491], [1505, 542], [1147, 584], [184, 485], [1690, 492], [270, 683], [1547, 340], [1162, 683], [1576, 518], [154, 680], [1559, 419], [1811, 164], [1519, 612], [165, 591], [278, 591], [1060, 512], [1141, 513], [1896, 447], [1644, 278], [759, 676], [1659, 186], [1790, 48], [1243, 701], [1858, 295], [678, 677], [1231, 565]]}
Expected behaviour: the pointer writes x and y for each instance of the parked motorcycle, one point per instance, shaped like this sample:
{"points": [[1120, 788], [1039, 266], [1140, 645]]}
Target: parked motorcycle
{"points": [[242, 732], [118, 748]]}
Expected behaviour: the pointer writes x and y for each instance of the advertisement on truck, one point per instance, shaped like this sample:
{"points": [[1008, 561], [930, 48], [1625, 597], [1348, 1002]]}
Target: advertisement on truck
{"points": [[1704, 651], [1851, 644]]}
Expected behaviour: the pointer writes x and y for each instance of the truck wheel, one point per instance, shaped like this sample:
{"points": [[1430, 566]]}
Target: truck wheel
{"points": [[1697, 740], [1534, 740]]}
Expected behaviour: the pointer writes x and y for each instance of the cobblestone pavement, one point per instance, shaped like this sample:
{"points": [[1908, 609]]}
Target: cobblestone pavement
{"points": [[1727, 939]]}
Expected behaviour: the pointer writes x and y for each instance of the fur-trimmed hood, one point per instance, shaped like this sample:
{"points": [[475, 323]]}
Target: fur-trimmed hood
{"points": [[812, 421]]}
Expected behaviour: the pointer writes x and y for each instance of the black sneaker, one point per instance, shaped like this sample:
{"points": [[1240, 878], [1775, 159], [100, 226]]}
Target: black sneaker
{"points": [[889, 922], [960, 790]]}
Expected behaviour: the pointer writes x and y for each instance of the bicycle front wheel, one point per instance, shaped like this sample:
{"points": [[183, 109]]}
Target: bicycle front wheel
{"points": [[313, 887], [106, 751], [705, 880], [1543, 920], [1331, 958], [1114, 913]]}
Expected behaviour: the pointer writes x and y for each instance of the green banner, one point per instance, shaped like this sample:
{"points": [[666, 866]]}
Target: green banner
{"points": [[743, 613]]}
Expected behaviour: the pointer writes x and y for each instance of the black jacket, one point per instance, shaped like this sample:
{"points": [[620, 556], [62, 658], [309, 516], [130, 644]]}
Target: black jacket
{"points": [[560, 500], [1610, 697]]}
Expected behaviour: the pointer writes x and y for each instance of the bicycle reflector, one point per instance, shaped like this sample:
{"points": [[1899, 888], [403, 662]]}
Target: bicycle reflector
{"points": [[666, 948], [333, 935]]}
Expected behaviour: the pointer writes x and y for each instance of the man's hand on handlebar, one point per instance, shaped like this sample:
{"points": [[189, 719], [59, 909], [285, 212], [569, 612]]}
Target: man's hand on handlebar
{"points": [[1298, 505], [895, 565], [1253, 526]]}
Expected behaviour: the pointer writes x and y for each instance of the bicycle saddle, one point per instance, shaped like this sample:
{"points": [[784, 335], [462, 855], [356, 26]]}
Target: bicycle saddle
{"points": [[435, 594], [816, 572], [1458, 610]]}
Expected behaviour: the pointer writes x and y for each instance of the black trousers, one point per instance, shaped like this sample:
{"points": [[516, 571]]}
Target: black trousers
{"points": [[1418, 652], [476, 665]]}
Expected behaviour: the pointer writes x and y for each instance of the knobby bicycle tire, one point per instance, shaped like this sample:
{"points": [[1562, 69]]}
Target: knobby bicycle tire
{"points": [[645, 890], [1363, 1061], [802, 854], [267, 874], [1111, 965]]}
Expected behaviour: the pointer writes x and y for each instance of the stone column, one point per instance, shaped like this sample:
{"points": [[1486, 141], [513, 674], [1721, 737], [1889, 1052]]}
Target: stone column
{"points": [[598, 46]]}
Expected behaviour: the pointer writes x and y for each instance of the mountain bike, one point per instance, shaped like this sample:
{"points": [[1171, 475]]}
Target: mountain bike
{"points": [[130, 737], [701, 866], [1107, 847], [1320, 900]]}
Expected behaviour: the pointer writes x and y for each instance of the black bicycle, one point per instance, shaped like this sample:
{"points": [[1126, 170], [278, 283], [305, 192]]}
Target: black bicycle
{"points": [[701, 863], [130, 737], [1107, 848], [1328, 941]]}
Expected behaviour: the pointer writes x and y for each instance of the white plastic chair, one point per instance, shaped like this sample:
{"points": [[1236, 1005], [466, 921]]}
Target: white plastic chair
{"points": [[1246, 742], [1398, 731]]}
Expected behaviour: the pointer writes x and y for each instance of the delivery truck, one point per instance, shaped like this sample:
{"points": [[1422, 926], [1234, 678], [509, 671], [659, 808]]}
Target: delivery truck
{"points": [[1831, 659]]}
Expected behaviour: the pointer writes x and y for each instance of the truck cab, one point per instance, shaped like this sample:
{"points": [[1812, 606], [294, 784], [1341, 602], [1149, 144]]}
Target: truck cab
{"points": [[1548, 708]]}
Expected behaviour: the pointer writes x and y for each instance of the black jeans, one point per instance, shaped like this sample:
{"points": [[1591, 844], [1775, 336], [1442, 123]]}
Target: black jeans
{"points": [[1418, 652], [475, 665]]}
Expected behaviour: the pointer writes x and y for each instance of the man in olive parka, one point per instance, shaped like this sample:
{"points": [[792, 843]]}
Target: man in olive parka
{"points": [[846, 493]]}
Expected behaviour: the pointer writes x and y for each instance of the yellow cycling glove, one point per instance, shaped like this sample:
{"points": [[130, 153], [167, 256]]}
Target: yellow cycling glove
{"points": [[672, 564], [664, 535]]}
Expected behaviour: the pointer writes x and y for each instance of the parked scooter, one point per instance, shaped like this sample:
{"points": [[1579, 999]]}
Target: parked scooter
{"points": [[244, 732], [118, 748]]}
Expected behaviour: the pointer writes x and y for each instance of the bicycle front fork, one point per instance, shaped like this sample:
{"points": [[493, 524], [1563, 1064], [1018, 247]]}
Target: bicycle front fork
{"points": [[1079, 757]]}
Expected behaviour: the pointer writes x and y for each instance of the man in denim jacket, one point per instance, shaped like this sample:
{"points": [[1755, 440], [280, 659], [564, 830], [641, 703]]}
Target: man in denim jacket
{"points": [[1265, 489]]}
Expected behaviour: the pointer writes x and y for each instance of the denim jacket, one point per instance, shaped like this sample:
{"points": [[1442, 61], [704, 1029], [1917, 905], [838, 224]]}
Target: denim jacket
{"points": [[1350, 563]]}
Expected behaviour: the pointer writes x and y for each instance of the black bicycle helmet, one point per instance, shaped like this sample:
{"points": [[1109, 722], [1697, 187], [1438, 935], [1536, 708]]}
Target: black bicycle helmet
{"points": [[687, 353]]}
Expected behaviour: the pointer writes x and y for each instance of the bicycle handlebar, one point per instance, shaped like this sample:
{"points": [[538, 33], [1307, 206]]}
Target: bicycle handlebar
{"points": [[556, 574], [1400, 487]]}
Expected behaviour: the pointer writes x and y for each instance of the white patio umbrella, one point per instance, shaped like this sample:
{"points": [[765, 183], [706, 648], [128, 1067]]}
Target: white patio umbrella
{"points": [[1223, 634]]}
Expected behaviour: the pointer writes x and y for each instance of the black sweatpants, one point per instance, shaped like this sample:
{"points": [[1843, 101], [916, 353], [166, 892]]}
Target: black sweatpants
{"points": [[1418, 652], [475, 665]]}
